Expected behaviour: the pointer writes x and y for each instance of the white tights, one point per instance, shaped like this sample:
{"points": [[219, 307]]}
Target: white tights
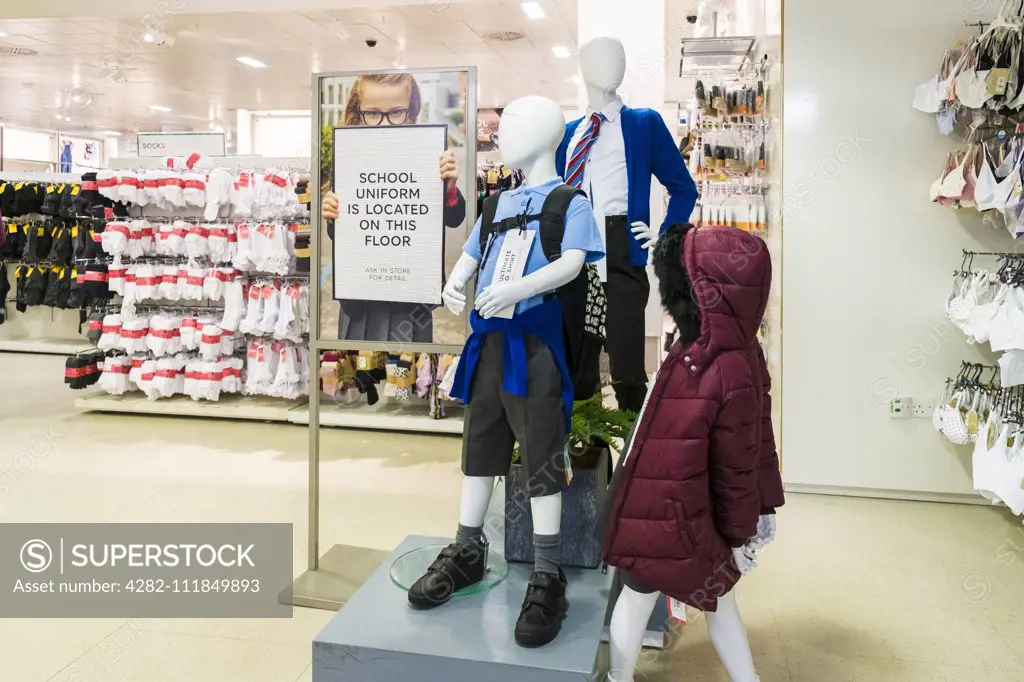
{"points": [[725, 626]]}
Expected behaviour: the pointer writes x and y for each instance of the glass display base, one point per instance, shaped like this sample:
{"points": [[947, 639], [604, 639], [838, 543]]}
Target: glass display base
{"points": [[411, 566]]}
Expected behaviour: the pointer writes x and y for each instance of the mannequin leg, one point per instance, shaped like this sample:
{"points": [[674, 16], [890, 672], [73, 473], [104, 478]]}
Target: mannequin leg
{"points": [[476, 497], [547, 537], [547, 514], [729, 636], [629, 623]]}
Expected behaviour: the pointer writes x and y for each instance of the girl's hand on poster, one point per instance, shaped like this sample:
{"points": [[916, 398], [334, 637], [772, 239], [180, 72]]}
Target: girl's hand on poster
{"points": [[329, 208], [449, 168]]}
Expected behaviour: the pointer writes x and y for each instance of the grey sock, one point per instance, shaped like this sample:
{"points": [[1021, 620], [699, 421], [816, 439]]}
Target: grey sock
{"points": [[547, 550], [471, 537]]}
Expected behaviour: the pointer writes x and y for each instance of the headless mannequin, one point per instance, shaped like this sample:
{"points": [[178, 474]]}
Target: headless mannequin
{"points": [[530, 131]]}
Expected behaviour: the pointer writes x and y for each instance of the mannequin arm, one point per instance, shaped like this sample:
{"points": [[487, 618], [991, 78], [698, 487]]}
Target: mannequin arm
{"points": [[670, 169], [497, 297], [463, 271]]}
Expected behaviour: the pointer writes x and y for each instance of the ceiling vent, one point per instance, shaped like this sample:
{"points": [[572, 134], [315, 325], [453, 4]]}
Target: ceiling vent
{"points": [[18, 51], [504, 36]]}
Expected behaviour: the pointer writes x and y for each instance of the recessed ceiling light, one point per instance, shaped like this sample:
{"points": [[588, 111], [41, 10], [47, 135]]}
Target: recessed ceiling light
{"points": [[111, 133], [2, 34], [68, 119], [148, 37], [157, 107], [534, 10], [58, 117], [561, 51], [249, 61]]}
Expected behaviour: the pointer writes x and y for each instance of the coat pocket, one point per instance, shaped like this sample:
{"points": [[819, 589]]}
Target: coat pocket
{"points": [[689, 543]]}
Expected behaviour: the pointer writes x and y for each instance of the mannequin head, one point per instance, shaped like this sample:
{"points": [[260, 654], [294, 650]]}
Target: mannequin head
{"points": [[603, 64], [530, 129]]}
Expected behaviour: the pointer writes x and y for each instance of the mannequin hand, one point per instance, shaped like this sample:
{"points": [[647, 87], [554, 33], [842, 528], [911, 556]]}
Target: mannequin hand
{"points": [[329, 208], [453, 297], [745, 559], [449, 168], [497, 297], [644, 234], [765, 529]]}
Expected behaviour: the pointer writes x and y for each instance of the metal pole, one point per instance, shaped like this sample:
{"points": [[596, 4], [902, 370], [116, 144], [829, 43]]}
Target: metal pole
{"points": [[314, 337]]}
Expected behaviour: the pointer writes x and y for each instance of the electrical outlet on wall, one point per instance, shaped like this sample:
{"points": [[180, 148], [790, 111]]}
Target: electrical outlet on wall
{"points": [[923, 408], [900, 408]]}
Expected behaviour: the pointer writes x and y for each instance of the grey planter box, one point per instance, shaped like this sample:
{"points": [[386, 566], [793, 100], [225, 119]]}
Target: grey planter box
{"points": [[581, 513]]}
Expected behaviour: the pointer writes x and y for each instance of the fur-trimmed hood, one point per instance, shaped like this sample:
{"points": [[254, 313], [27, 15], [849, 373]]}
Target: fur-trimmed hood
{"points": [[714, 282]]}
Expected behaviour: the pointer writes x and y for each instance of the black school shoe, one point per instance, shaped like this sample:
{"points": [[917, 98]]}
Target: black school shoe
{"points": [[456, 569], [544, 609]]}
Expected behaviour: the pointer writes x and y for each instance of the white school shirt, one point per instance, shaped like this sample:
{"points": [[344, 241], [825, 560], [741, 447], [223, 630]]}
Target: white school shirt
{"points": [[604, 176]]}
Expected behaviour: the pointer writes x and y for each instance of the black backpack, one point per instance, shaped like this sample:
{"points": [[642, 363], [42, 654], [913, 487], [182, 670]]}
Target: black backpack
{"points": [[584, 306]]}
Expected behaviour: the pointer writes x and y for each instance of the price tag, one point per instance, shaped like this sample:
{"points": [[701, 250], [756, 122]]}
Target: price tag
{"points": [[515, 250], [996, 81], [677, 610], [568, 464]]}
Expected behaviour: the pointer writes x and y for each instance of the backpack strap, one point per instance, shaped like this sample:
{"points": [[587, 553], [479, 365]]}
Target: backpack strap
{"points": [[487, 220], [552, 219]]}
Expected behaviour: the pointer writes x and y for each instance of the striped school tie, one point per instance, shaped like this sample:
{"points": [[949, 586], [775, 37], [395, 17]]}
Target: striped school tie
{"points": [[574, 171]]}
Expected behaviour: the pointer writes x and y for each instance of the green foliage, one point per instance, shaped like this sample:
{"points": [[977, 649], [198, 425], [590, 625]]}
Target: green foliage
{"points": [[593, 422], [326, 156]]}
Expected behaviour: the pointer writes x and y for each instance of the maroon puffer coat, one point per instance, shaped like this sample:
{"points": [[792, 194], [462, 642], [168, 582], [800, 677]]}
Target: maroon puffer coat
{"points": [[701, 466]]}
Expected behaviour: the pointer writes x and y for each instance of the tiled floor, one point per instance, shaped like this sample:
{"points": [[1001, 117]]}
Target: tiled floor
{"points": [[851, 590]]}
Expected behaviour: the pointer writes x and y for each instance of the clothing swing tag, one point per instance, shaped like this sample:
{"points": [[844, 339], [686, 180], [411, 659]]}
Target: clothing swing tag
{"points": [[515, 250], [567, 460], [677, 610], [996, 81]]}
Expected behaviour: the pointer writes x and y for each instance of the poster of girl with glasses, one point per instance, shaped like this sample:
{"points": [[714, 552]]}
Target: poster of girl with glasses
{"points": [[392, 99]]}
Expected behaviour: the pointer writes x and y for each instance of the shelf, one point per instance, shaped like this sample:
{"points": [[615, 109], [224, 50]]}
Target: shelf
{"points": [[44, 346], [385, 416]]}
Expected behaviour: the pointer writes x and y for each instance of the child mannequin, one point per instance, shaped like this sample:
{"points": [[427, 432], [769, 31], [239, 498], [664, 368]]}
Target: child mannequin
{"points": [[517, 334], [695, 497]]}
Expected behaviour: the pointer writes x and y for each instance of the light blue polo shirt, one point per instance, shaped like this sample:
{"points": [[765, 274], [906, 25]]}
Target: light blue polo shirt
{"points": [[581, 233]]}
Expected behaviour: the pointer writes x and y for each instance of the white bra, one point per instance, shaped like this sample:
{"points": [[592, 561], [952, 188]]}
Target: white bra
{"points": [[989, 458], [953, 425], [990, 295], [1007, 328], [1011, 482], [990, 193]]}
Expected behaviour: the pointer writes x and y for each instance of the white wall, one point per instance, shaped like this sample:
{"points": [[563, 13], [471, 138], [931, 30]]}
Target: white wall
{"points": [[868, 259]]}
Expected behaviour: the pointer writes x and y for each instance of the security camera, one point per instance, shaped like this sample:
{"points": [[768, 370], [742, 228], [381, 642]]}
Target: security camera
{"points": [[371, 42], [691, 18]]}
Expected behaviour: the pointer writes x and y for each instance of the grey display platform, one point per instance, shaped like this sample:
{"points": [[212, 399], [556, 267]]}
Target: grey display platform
{"points": [[377, 637]]}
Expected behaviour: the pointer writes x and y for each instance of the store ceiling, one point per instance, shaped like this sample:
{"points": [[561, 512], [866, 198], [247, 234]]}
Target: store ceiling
{"points": [[103, 75]]}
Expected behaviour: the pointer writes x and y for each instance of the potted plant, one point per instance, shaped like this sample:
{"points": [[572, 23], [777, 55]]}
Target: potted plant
{"points": [[595, 429]]}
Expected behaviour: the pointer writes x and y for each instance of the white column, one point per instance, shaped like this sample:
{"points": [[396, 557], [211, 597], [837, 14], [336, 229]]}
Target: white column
{"points": [[649, 52], [243, 146]]}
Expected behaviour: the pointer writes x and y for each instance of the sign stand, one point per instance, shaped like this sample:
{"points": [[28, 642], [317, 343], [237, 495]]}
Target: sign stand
{"points": [[332, 578]]}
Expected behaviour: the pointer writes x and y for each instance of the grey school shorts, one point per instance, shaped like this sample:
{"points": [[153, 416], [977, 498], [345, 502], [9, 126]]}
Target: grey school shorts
{"points": [[496, 420]]}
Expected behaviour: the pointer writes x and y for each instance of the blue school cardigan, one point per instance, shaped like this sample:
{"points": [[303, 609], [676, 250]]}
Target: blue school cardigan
{"points": [[650, 149], [543, 321]]}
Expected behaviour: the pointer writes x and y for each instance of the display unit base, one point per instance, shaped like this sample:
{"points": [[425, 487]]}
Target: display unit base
{"points": [[248, 407], [44, 346], [378, 636], [343, 570], [404, 418]]}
